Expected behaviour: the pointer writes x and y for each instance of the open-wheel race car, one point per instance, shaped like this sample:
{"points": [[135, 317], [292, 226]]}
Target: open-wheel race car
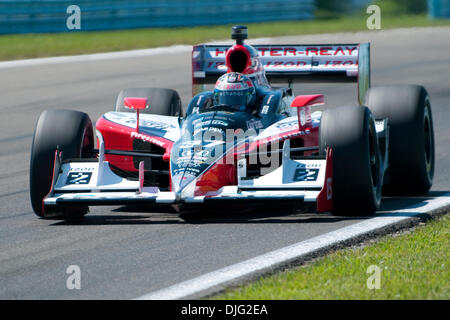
{"points": [[245, 143]]}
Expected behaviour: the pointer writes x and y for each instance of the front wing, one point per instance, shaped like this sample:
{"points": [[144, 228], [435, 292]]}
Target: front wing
{"points": [[93, 183]]}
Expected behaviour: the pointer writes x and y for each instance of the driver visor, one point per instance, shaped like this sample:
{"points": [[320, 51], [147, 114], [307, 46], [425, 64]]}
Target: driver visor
{"points": [[236, 99]]}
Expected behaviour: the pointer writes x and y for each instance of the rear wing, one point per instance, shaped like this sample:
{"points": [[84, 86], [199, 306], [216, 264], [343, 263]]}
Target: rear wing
{"points": [[291, 63]]}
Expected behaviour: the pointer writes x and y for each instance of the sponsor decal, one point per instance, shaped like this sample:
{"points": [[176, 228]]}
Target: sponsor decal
{"points": [[189, 163], [198, 153], [232, 77], [293, 51], [130, 121], [208, 129], [83, 169], [200, 144], [339, 63], [286, 64], [302, 117], [183, 170], [314, 165], [254, 124], [295, 64], [209, 122], [78, 178], [146, 138], [306, 51], [290, 124], [306, 174], [152, 124]]}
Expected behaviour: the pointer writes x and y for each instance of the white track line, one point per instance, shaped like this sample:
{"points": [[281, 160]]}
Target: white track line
{"points": [[284, 255], [96, 56]]}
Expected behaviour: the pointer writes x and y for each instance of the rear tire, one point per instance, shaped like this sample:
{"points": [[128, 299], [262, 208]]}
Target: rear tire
{"points": [[411, 137], [161, 101], [350, 132], [72, 132]]}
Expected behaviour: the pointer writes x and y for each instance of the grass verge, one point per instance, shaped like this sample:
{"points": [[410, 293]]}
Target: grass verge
{"points": [[71, 43], [413, 265]]}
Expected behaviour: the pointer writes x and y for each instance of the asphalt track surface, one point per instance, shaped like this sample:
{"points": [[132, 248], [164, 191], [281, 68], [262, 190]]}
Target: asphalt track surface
{"points": [[125, 252]]}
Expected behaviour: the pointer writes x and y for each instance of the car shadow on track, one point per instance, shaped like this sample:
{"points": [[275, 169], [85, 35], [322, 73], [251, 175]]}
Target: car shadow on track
{"points": [[231, 218], [389, 204], [138, 215], [142, 215]]}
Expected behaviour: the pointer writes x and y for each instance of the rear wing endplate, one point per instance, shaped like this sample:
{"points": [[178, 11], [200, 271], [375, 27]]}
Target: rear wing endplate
{"points": [[292, 63]]}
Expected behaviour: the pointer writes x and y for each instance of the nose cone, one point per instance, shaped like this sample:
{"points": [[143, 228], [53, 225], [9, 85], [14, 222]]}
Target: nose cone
{"points": [[214, 177], [182, 179], [189, 161], [203, 159]]}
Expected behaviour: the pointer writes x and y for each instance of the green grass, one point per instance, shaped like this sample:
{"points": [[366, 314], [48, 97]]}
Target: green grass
{"points": [[70, 43], [414, 265]]}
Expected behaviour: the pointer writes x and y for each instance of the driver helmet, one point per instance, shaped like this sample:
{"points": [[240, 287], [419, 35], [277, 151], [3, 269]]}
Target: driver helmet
{"points": [[235, 90]]}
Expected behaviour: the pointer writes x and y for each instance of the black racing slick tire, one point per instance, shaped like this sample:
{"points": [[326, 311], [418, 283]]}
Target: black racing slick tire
{"points": [[161, 101], [350, 132], [70, 130], [411, 137]]}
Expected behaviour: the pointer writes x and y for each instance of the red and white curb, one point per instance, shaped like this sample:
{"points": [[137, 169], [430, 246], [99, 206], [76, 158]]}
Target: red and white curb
{"points": [[217, 280]]}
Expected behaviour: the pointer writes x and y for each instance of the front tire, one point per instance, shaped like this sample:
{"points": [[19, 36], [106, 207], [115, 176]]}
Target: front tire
{"points": [[72, 132], [350, 132], [411, 137]]}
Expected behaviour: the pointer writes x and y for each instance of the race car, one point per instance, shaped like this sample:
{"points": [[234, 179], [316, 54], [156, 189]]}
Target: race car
{"points": [[241, 142]]}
